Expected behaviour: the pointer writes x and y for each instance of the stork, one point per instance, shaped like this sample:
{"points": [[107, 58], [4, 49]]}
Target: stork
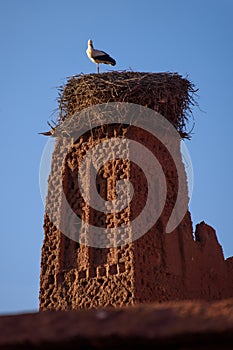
{"points": [[98, 56]]}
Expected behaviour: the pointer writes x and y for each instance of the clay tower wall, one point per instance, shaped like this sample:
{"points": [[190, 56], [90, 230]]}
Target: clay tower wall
{"points": [[80, 270]]}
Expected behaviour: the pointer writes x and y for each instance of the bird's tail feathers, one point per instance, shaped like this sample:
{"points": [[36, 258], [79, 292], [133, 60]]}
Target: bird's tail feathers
{"points": [[113, 62]]}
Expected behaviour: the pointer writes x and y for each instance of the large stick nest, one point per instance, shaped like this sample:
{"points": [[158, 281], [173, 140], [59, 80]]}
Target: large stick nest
{"points": [[167, 93]]}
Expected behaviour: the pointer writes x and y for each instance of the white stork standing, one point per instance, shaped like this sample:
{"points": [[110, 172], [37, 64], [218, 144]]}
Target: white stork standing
{"points": [[98, 56]]}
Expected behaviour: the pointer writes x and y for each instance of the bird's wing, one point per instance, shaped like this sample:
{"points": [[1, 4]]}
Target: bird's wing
{"points": [[98, 53], [105, 59]]}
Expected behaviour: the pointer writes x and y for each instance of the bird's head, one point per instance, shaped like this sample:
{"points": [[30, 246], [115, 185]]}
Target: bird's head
{"points": [[90, 43]]}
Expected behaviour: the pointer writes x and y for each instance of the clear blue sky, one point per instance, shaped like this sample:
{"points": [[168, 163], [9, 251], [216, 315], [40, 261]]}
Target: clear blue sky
{"points": [[43, 42]]}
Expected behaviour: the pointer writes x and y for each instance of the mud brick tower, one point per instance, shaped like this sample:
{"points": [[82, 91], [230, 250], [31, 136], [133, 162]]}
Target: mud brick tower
{"points": [[155, 267]]}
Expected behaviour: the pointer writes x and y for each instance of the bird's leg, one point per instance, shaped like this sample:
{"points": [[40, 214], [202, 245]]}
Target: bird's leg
{"points": [[98, 68]]}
